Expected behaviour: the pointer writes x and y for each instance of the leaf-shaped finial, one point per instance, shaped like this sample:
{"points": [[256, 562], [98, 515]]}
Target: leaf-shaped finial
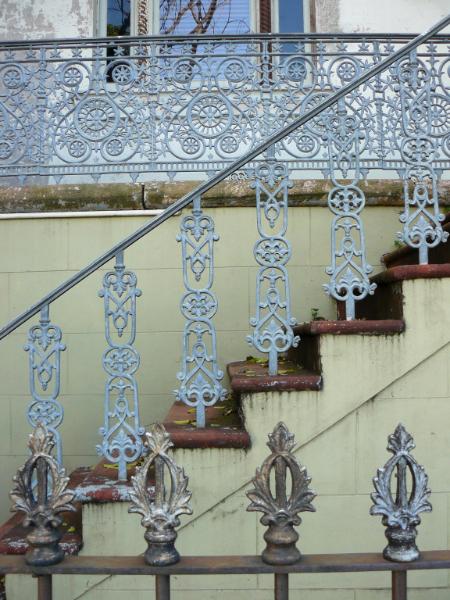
{"points": [[280, 511], [160, 508], [401, 508], [40, 491]]}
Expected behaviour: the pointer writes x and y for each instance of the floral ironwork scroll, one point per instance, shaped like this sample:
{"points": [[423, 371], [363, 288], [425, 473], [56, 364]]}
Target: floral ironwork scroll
{"points": [[44, 349], [280, 509], [122, 442], [200, 377], [273, 333], [160, 505], [40, 491], [401, 510], [349, 270]]}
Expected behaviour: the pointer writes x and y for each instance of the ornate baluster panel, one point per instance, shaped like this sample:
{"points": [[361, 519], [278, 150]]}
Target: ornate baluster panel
{"points": [[40, 491], [349, 270], [162, 504], [121, 431], [401, 508], [273, 322], [44, 349], [425, 119], [280, 500], [200, 377]]}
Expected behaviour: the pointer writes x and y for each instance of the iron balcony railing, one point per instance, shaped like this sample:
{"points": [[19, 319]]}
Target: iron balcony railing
{"points": [[416, 86], [281, 491]]}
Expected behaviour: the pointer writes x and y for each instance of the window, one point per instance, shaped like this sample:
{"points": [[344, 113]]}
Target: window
{"points": [[183, 17]]}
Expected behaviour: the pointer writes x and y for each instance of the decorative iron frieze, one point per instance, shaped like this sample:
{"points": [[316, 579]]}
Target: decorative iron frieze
{"points": [[140, 105], [401, 509], [162, 504], [200, 377], [425, 118], [121, 431], [280, 510], [273, 322], [40, 491], [44, 349], [349, 270]]}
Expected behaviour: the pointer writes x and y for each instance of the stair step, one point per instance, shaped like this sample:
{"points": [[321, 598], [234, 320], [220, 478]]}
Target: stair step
{"points": [[100, 485], [13, 534], [410, 256], [356, 327], [224, 427], [250, 376]]}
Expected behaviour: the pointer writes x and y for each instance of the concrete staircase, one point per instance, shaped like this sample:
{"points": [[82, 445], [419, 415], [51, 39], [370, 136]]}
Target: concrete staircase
{"points": [[341, 392]]}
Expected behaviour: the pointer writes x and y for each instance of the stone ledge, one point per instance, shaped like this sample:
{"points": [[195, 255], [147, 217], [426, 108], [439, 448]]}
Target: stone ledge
{"points": [[356, 327], [248, 376]]}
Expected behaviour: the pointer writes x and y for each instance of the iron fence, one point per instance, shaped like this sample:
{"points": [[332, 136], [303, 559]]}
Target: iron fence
{"points": [[281, 490]]}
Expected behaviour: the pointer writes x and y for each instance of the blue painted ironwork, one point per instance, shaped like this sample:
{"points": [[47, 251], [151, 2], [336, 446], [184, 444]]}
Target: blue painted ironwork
{"points": [[349, 270], [425, 122], [200, 377], [122, 442], [273, 333], [373, 76], [139, 105], [44, 349]]}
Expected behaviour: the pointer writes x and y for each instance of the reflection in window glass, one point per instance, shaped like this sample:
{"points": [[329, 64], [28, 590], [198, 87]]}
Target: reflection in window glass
{"points": [[118, 17], [182, 17], [290, 16]]}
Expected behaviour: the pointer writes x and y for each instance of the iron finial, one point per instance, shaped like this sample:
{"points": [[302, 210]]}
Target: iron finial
{"points": [[160, 510], [40, 491], [401, 510], [281, 511]]}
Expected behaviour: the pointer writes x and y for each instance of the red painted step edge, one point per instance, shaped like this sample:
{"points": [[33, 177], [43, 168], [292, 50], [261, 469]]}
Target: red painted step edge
{"points": [[259, 381], [405, 272], [356, 327]]}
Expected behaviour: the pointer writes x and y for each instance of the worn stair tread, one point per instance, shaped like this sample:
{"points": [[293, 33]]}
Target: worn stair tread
{"points": [[251, 376], [405, 272], [410, 256], [100, 484], [224, 427], [13, 534], [355, 327]]}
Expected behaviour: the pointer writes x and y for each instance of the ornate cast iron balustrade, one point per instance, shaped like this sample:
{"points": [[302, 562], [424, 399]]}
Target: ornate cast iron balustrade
{"points": [[200, 377], [121, 431], [44, 349], [196, 104]]}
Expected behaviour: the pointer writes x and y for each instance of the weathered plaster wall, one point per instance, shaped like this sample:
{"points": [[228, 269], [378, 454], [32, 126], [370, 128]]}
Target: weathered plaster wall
{"points": [[35, 19], [364, 16]]}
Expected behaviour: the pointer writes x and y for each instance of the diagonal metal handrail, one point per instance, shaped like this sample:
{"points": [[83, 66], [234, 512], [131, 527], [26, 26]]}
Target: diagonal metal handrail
{"points": [[219, 177]]}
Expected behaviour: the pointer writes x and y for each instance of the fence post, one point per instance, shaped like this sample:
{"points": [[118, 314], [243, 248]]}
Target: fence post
{"points": [[45, 587], [162, 586], [399, 586]]}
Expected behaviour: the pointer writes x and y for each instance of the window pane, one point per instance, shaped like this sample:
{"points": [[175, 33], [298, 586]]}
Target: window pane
{"points": [[118, 17], [290, 16], [181, 17]]}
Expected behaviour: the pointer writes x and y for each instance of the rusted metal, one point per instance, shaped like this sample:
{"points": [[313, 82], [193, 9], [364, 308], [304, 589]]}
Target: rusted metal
{"points": [[160, 510], [162, 587], [281, 587], [399, 585], [226, 565], [401, 510], [280, 512], [45, 587], [40, 491]]}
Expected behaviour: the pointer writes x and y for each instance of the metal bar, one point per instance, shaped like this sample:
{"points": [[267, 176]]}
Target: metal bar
{"points": [[225, 565], [226, 172], [162, 587], [271, 37], [281, 588], [399, 585], [45, 587]]}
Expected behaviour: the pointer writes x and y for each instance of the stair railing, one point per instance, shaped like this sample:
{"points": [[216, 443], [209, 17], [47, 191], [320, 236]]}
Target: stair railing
{"points": [[200, 377]]}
